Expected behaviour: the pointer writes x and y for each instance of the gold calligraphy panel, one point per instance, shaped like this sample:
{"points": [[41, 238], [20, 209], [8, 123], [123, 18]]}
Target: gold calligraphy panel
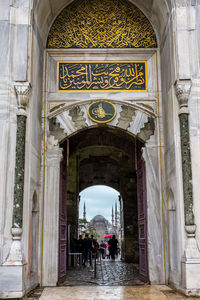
{"points": [[102, 76], [101, 24]]}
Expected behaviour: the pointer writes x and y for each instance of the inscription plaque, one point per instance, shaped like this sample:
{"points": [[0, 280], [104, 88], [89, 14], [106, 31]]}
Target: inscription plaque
{"points": [[101, 76]]}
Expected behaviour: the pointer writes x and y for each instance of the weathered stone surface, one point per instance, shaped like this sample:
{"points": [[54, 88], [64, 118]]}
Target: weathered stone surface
{"points": [[126, 116], [12, 274], [4, 49], [20, 56], [77, 117]]}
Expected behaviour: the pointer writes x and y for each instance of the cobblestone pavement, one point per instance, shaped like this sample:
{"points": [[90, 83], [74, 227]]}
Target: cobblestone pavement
{"points": [[146, 292], [116, 273]]}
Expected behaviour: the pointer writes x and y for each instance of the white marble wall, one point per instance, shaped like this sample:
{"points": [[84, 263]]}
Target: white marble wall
{"points": [[51, 214], [8, 134], [172, 176], [179, 48], [154, 211], [18, 43]]}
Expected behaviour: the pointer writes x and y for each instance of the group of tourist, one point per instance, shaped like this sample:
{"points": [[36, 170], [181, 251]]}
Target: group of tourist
{"points": [[89, 246]]}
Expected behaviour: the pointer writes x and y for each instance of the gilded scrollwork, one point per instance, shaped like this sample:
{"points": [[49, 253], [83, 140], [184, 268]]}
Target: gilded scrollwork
{"points": [[101, 24]]}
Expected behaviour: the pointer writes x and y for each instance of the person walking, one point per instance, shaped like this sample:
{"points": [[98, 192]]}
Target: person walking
{"points": [[95, 247], [102, 249], [80, 244], [113, 246], [107, 252], [87, 247]]}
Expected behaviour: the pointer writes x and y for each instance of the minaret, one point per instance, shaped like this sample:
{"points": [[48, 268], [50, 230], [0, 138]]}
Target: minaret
{"points": [[84, 212], [116, 215], [112, 218]]}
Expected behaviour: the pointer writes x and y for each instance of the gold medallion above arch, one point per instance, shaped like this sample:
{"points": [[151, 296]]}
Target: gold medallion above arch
{"points": [[101, 24]]}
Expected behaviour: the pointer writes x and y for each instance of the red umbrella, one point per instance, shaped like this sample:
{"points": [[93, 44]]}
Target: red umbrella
{"points": [[108, 236]]}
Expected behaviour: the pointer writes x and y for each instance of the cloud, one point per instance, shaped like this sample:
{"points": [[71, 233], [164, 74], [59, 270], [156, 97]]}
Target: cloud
{"points": [[98, 199]]}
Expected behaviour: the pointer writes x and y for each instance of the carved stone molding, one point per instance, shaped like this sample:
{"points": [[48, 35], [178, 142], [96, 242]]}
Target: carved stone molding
{"points": [[183, 88], [22, 90], [54, 153], [16, 255], [191, 251], [128, 118]]}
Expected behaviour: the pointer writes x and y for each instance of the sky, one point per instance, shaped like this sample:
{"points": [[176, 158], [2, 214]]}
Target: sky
{"points": [[98, 199]]}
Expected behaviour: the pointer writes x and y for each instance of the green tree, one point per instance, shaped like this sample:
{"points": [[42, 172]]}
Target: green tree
{"points": [[86, 228]]}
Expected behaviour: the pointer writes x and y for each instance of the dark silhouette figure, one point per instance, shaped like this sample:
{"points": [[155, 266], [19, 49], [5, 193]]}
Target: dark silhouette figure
{"points": [[87, 248], [113, 246]]}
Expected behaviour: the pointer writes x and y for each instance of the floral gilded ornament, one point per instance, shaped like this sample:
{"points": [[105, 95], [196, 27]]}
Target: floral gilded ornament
{"points": [[101, 24]]}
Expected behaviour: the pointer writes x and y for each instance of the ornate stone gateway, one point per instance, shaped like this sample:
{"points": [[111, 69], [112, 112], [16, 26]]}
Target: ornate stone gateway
{"points": [[99, 105], [60, 62]]}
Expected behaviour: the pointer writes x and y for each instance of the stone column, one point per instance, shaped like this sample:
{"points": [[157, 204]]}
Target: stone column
{"points": [[22, 92], [191, 259], [183, 88], [51, 213]]}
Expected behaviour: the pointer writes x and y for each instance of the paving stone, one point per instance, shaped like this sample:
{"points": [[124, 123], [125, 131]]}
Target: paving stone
{"points": [[110, 293]]}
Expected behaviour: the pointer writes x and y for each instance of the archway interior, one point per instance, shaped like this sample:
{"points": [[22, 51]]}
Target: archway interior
{"points": [[104, 156], [99, 213]]}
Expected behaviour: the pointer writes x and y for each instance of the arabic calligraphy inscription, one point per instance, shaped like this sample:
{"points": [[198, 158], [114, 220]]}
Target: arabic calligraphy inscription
{"points": [[101, 24], [102, 76]]}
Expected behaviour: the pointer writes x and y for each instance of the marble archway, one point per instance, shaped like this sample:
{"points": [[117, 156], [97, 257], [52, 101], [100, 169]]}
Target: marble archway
{"points": [[65, 115], [66, 123]]}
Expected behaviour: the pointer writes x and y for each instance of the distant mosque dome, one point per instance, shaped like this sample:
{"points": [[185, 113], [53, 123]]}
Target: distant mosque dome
{"points": [[98, 218], [100, 224]]}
